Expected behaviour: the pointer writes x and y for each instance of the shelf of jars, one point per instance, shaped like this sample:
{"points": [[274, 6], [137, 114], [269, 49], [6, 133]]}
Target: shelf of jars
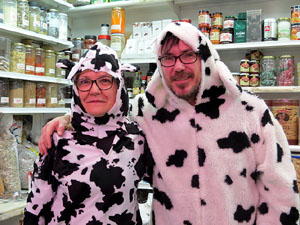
{"points": [[61, 5], [274, 89], [26, 111], [10, 208], [21, 76], [26, 34]]}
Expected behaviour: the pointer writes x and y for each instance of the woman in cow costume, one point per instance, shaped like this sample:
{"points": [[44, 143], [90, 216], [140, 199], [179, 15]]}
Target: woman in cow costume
{"points": [[90, 175], [221, 158]]}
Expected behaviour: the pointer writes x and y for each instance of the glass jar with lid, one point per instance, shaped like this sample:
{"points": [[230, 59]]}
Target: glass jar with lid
{"points": [[43, 18], [226, 36], [16, 89], [229, 22], [50, 63], [117, 43], [60, 73], [217, 20], [17, 58], [4, 92], [5, 44], [29, 94], [39, 62], [63, 26], [76, 50], [29, 59], [53, 23], [268, 71], [204, 19], [284, 29], [118, 20], [10, 9], [51, 95], [23, 14], [286, 70], [104, 39], [60, 97], [34, 17], [214, 35], [89, 41], [41, 89]]}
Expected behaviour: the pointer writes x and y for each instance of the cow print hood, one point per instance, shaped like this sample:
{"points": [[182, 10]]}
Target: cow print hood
{"points": [[99, 58], [214, 72]]}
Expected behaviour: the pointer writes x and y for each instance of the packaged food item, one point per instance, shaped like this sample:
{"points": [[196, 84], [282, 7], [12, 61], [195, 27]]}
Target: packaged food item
{"points": [[29, 59], [43, 19], [286, 70], [270, 29], [268, 71], [240, 28], [117, 43], [89, 41], [118, 20], [254, 80], [244, 80], [53, 23], [59, 72], [295, 31], [34, 17], [5, 44], [51, 95], [10, 9], [256, 55], [29, 94], [17, 58], [41, 94], [244, 66], [16, 90], [214, 35], [39, 62], [204, 19], [254, 66], [284, 29], [229, 22], [50, 63], [217, 20], [63, 26], [254, 25], [4, 92], [76, 50], [295, 14], [23, 14], [226, 36]]}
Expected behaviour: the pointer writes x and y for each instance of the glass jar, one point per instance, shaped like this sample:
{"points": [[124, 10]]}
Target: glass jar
{"points": [[4, 92], [23, 14], [60, 97], [118, 20], [117, 43], [214, 35], [43, 18], [226, 36], [229, 22], [254, 80], [10, 9], [104, 29], [205, 31], [204, 19], [16, 89], [76, 50], [217, 20], [41, 94], [50, 63], [51, 95], [29, 94], [284, 29], [34, 17], [53, 23], [63, 26], [17, 58], [244, 79], [270, 29], [60, 73], [254, 66], [104, 39], [286, 70], [29, 59], [244, 66], [5, 44], [89, 41], [39, 62]]}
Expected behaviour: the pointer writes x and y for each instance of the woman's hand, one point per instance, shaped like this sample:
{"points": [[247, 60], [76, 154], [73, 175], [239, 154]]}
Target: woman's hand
{"points": [[59, 125]]}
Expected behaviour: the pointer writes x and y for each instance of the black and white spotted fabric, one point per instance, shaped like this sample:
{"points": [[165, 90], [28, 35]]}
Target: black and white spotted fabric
{"points": [[91, 174], [223, 161]]}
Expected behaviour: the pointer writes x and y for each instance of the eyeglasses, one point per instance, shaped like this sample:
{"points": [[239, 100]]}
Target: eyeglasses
{"points": [[185, 58], [103, 83]]}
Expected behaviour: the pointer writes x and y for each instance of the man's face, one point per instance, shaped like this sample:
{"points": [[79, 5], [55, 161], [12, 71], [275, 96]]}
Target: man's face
{"points": [[183, 79]]}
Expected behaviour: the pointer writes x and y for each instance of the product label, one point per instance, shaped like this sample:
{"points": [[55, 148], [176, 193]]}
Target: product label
{"points": [[61, 102], [254, 81], [4, 99], [39, 69], [20, 66], [25, 23], [116, 27], [53, 100], [215, 36], [52, 71], [32, 101], [228, 24], [41, 101], [75, 56], [226, 37], [217, 21], [29, 68], [284, 34], [116, 46], [245, 67], [244, 80], [18, 100], [203, 19], [36, 23]]}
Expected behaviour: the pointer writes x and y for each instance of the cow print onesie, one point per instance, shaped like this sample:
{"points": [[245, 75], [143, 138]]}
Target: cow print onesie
{"points": [[90, 175], [224, 160]]}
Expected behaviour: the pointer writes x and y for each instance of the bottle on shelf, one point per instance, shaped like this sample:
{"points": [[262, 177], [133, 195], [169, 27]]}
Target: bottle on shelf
{"points": [[136, 84], [143, 84], [152, 68]]}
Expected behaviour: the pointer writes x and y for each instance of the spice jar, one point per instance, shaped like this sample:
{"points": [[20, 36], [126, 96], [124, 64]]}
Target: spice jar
{"points": [[34, 17], [268, 71], [63, 26], [43, 19], [17, 58], [104, 39], [16, 93], [23, 14], [229, 22], [53, 23], [41, 94], [284, 29], [10, 10], [217, 20], [51, 95], [50, 63], [76, 50], [269, 29], [5, 44], [204, 19], [29, 59], [215, 35], [4, 92], [89, 41], [118, 20], [295, 31], [117, 43], [226, 36], [286, 70], [39, 62], [29, 94], [60, 73]]}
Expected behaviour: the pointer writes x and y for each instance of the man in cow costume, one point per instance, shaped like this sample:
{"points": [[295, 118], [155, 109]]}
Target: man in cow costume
{"points": [[220, 156]]}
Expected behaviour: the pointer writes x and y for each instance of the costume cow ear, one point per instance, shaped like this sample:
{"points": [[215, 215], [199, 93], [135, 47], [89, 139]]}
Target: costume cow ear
{"points": [[65, 64], [126, 67]]}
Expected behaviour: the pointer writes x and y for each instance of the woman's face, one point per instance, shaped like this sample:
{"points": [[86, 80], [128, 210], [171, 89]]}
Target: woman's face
{"points": [[96, 102]]}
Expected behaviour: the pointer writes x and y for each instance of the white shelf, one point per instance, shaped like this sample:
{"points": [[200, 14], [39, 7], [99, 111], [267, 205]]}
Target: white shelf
{"points": [[21, 33], [26, 111], [56, 4], [11, 208], [295, 148], [274, 89]]}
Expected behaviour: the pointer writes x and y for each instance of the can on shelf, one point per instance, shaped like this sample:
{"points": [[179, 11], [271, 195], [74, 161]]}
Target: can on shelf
{"points": [[269, 29]]}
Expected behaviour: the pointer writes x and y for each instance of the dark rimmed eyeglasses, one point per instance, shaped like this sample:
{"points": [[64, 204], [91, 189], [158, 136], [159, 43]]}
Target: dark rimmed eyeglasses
{"points": [[185, 58], [103, 83]]}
